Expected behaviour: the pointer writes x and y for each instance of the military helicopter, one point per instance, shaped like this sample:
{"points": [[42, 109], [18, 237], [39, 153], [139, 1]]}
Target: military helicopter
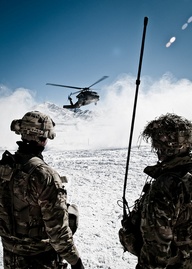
{"points": [[85, 95]]}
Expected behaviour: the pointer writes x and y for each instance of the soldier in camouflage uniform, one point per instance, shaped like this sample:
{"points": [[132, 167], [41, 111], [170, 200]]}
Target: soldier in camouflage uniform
{"points": [[164, 211], [34, 218]]}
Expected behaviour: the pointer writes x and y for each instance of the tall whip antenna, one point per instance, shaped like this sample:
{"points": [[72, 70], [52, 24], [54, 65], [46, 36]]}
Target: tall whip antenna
{"points": [[125, 204]]}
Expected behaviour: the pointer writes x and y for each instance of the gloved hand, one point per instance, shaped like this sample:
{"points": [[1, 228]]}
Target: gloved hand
{"points": [[78, 265]]}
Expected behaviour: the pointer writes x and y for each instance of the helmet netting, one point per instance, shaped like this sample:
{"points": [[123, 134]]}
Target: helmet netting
{"points": [[169, 134]]}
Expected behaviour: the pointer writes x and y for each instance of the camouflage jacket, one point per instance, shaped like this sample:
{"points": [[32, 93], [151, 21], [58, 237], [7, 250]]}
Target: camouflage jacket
{"points": [[33, 209], [166, 216]]}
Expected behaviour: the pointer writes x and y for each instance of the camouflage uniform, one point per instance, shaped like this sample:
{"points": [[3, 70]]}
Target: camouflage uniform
{"points": [[33, 210], [166, 216], [45, 260], [34, 223], [159, 228]]}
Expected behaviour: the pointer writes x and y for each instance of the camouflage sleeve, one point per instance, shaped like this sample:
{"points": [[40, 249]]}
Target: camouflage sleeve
{"points": [[160, 211], [52, 201]]}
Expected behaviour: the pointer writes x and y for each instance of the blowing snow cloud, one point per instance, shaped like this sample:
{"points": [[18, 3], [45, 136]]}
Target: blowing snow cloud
{"points": [[109, 125]]}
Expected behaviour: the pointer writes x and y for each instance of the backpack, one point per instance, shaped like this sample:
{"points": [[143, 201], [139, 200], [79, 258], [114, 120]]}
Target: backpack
{"points": [[8, 167]]}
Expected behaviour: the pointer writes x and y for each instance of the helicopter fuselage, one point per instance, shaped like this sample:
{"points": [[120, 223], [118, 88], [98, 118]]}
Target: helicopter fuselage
{"points": [[87, 97]]}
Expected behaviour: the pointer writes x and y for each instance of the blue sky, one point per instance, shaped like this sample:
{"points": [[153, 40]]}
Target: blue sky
{"points": [[76, 42]]}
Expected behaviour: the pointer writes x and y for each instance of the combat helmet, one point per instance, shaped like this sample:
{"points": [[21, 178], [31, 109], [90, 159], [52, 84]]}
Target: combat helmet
{"points": [[34, 126], [170, 135]]}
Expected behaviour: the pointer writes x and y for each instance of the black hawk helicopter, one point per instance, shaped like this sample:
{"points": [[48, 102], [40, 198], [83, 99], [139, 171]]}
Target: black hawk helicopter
{"points": [[85, 95]]}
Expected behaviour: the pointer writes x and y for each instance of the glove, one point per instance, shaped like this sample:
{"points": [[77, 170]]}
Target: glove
{"points": [[78, 265]]}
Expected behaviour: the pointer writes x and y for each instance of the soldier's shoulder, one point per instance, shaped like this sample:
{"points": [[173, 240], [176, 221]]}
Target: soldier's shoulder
{"points": [[168, 184], [38, 167]]}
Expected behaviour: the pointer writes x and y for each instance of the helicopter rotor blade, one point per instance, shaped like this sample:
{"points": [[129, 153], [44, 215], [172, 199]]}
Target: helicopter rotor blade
{"points": [[78, 88], [104, 77], [60, 85], [78, 91]]}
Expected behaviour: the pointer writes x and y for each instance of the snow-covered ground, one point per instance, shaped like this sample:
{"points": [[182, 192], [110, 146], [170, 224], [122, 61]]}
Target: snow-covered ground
{"points": [[95, 182], [90, 148]]}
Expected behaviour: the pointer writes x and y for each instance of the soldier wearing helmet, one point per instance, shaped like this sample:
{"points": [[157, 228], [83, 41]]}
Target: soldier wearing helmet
{"points": [[35, 225], [170, 136], [164, 211]]}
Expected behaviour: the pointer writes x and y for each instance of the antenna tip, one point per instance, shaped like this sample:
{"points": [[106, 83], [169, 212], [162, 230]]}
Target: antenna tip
{"points": [[145, 20]]}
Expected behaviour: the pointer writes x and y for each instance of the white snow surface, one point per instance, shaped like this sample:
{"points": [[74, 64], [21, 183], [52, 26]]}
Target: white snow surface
{"points": [[95, 183]]}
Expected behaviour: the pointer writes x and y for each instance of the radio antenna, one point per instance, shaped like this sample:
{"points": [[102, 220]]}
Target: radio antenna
{"points": [[125, 204]]}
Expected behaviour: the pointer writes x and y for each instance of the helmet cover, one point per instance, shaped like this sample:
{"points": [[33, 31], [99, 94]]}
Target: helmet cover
{"points": [[34, 126], [170, 135]]}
